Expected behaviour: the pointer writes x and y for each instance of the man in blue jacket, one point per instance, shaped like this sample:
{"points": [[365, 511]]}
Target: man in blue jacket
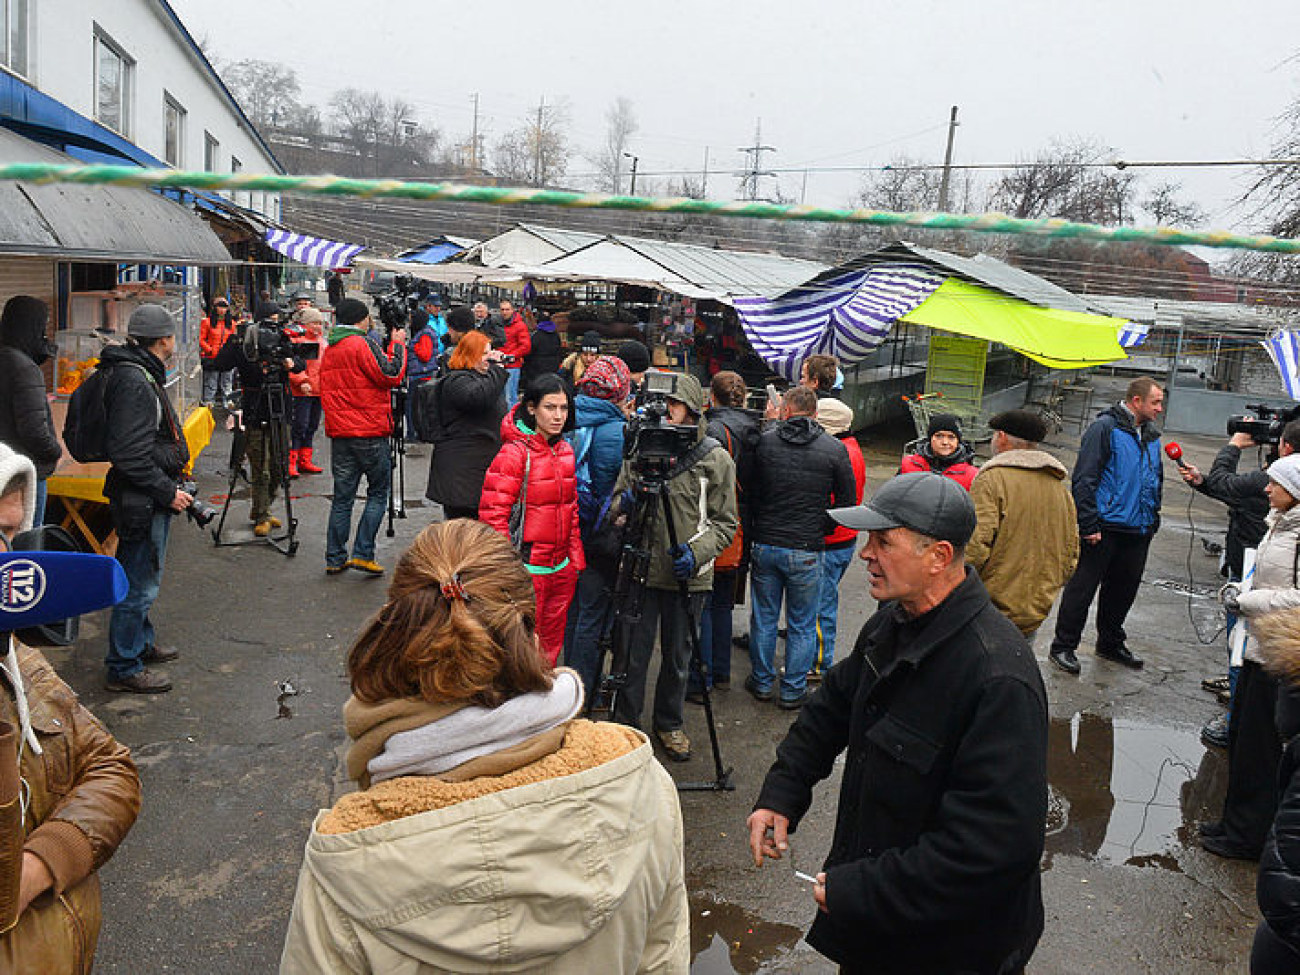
{"points": [[1116, 484]]}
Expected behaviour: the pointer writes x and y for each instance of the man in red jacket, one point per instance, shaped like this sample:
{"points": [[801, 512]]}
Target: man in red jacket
{"points": [[518, 344], [356, 376]]}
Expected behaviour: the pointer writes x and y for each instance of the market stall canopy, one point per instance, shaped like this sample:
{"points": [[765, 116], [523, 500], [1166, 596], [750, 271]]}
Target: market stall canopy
{"points": [[437, 250], [94, 222], [527, 245], [848, 311], [690, 270], [315, 251], [452, 272]]}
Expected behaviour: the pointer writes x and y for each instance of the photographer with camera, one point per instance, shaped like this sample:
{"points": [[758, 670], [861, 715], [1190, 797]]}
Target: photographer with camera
{"points": [[263, 358], [214, 331], [147, 453], [698, 489], [356, 376]]}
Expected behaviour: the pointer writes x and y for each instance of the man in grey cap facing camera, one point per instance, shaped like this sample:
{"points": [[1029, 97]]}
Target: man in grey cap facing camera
{"points": [[942, 810], [147, 453]]}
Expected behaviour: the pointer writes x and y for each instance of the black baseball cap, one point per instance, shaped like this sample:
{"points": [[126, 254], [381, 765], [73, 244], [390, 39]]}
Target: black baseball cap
{"points": [[931, 504]]}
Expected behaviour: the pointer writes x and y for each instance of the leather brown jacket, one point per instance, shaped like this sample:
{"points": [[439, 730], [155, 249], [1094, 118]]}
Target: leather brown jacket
{"points": [[84, 797]]}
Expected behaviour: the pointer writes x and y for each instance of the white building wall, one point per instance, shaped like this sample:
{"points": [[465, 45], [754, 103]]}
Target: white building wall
{"points": [[63, 67]]}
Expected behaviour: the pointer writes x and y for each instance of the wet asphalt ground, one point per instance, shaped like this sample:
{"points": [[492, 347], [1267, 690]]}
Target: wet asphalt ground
{"points": [[237, 759]]}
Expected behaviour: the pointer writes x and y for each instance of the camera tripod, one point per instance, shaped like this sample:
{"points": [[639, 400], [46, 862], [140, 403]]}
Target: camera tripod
{"points": [[277, 430], [625, 610], [397, 457]]}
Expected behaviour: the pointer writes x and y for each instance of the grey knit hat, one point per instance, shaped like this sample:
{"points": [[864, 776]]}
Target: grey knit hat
{"points": [[1286, 471], [151, 322]]}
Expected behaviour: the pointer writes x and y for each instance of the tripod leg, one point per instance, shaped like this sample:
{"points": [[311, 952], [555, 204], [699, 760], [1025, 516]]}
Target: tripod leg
{"points": [[237, 448], [722, 776]]}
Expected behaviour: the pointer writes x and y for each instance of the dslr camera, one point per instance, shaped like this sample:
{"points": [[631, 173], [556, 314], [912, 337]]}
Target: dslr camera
{"points": [[199, 512], [652, 443], [1265, 427]]}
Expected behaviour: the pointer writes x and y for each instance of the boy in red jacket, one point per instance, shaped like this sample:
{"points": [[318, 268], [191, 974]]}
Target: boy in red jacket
{"points": [[518, 344]]}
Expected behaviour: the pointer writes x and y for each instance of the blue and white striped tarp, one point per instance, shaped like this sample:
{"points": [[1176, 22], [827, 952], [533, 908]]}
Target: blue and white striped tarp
{"points": [[312, 250], [1283, 347], [846, 315], [1133, 334]]}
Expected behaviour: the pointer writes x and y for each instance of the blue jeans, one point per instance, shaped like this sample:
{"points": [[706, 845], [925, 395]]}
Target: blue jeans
{"points": [[351, 457], [306, 419], [129, 628], [217, 385], [512, 387], [715, 632], [587, 618], [835, 562], [797, 575]]}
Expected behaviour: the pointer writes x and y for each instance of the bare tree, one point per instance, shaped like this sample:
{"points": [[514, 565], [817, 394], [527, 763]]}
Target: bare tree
{"points": [[1167, 207], [903, 185], [267, 92], [1066, 181], [1274, 204], [385, 130], [536, 153], [620, 126]]}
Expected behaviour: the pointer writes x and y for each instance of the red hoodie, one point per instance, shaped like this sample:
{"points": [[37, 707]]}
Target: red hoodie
{"points": [[518, 342]]}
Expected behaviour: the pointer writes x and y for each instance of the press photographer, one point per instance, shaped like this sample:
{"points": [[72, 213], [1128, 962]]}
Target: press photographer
{"points": [[147, 453], [263, 358], [672, 462]]}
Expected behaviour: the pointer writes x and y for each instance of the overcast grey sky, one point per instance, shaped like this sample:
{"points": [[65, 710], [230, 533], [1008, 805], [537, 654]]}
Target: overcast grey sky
{"points": [[836, 83]]}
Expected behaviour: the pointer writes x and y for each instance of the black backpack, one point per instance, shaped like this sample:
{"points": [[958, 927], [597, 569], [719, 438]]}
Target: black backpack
{"points": [[85, 429], [428, 423]]}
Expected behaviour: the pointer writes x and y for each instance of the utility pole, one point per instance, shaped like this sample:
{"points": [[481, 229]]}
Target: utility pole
{"points": [[635, 160], [803, 193], [537, 158], [947, 162], [473, 139], [754, 165], [704, 176]]}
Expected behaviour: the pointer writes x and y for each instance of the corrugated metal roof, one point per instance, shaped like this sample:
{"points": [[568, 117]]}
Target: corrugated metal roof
{"points": [[566, 240], [1167, 313], [113, 223], [989, 271], [688, 269]]}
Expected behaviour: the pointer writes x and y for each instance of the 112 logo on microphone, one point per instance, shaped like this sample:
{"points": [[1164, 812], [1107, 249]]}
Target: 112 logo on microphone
{"points": [[22, 584]]}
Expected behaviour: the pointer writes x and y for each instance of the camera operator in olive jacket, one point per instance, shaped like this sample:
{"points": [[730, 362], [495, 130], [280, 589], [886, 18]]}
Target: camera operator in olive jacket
{"points": [[701, 497]]}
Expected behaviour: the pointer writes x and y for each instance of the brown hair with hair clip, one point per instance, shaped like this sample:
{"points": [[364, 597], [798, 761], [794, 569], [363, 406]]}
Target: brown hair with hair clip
{"points": [[459, 624]]}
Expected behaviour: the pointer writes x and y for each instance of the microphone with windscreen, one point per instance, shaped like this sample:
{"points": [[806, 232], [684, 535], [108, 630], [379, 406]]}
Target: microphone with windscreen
{"points": [[1175, 454], [37, 588]]}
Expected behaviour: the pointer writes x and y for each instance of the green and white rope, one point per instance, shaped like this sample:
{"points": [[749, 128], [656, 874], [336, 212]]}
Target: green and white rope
{"points": [[981, 223]]}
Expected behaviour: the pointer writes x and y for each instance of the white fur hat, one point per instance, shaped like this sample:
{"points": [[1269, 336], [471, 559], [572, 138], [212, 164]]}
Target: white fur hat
{"points": [[15, 465]]}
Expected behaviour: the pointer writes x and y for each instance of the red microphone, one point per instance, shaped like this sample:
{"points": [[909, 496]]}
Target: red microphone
{"points": [[1175, 454]]}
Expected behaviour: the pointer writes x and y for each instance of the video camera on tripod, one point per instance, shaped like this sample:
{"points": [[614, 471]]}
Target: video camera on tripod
{"points": [[395, 306], [270, 342], [651, 442]]}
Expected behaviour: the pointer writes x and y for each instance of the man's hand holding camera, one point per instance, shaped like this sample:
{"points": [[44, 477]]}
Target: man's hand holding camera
{"points": [[181, 501]]}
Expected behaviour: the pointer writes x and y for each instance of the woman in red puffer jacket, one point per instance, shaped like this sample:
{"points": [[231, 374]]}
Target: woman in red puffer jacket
{"points": [[534, 450], [305, 387]]}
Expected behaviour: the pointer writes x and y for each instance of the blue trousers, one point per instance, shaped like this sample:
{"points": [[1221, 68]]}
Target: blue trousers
{"points": [[587, 617], [796, 575], [38, 516], [129, 628], [715, 632], [350, 458], [512, 387], [835, 562]]}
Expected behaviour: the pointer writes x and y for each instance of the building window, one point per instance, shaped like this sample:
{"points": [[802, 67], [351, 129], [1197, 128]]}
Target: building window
{"points": [[15, 35], [210, 148], [113, 70], [235, 165], [173, 131]]}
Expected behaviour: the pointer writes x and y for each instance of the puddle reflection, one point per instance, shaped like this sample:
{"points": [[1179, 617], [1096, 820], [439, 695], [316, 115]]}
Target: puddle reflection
{"points": [[726, 940], [1125, 791]]}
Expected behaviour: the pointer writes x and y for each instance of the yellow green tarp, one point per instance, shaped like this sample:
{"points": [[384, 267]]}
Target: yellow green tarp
{"points": [[1058, 339]]}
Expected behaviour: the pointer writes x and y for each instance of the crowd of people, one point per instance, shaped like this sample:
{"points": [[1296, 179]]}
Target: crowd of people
{"points": [[470, 686]]}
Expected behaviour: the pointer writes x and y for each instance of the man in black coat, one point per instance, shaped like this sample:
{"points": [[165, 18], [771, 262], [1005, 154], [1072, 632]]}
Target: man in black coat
{"points": [[25, 421], [148, 453], [934, 866], [800, 471]]}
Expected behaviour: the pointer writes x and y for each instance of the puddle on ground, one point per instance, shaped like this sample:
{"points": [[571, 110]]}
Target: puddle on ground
{"points": [[726, 940], [1125, 791]]}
